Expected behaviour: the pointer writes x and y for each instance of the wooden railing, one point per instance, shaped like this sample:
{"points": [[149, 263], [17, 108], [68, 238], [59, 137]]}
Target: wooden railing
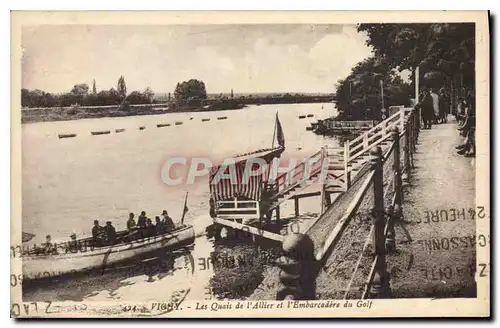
{"points": [[303, 259], [301, 173], [239, 208]]}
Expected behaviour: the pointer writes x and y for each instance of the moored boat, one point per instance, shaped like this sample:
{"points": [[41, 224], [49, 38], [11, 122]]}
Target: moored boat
{"points": [[98, 133], [87, 257], [67, 135]]}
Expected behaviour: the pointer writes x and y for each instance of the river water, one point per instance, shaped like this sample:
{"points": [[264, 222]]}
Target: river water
{"points": [[67, 183]]}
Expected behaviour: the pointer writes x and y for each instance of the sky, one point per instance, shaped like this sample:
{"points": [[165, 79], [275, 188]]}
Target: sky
{"points": [[246, 58]]}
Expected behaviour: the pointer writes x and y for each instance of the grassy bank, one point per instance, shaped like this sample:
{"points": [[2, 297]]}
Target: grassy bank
{"points": [[33, 115]]}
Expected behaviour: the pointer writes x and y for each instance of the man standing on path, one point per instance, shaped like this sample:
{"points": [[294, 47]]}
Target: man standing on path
{"points": [[426, 108], [444, 105], [435, 105]]}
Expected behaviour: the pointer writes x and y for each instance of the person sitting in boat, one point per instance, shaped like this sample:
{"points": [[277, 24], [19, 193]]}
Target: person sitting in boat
{"points": [[159, 228], [150, 228], [110, 233], [131, 222], [141, 222], [72, 244], [48, 246], [97, 233], [168, 223]]}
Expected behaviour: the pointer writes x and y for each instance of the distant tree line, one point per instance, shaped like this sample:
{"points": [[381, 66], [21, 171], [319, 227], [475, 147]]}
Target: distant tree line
{"points": [[81, 95]]}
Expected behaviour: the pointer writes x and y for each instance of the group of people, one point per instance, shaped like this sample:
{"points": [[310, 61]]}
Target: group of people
{"points": [[466, 118], [144, 227], [434, 107], [103, 235]]}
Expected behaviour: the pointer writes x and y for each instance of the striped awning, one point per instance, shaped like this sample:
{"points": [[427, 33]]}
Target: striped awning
{"points": [[228, 181]]}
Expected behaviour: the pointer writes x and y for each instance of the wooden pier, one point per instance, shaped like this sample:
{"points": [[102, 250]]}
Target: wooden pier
{"points": [[330, 126]]}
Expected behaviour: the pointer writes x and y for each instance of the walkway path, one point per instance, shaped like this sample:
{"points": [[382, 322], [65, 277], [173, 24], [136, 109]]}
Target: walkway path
{"points": [[439, 207]]}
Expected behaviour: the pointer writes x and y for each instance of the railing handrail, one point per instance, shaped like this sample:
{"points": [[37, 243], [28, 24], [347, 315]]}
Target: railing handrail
{"points": [[283, 175], [360, 137]]}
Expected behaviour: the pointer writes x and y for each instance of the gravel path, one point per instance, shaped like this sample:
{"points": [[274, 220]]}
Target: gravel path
{"points": [[437, 208]]}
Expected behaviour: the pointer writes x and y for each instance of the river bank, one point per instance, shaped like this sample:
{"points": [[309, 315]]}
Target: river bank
{"points": [[52, 114]]}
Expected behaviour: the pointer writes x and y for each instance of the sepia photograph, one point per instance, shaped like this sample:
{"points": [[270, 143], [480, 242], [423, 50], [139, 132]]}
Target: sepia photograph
{"points": [[216, 165]]}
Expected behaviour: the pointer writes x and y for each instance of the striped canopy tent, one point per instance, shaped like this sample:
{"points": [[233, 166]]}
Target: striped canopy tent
{"points": [[229, 181]]}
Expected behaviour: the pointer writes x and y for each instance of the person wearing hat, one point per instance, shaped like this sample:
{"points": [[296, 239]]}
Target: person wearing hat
{"points": [[130, 222], [110, 233], [158, 226], [72, 244], [97, 232], [48, 246], [167, 222], [141, 221], [444, 105]]}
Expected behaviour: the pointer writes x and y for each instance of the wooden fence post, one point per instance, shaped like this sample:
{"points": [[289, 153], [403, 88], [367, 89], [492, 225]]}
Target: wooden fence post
{"points": [[365, 140], [298, 267], [397, 164], [380, 284], [401, 119], [405, 176], [296, 203], [390, 242], [347, 173]]}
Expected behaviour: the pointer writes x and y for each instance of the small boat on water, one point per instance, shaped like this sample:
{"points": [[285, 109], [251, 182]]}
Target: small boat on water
{"points": [[310, 115], [222, 117], [36, 263], [205, 119], [98, 133], [119, 130], [142, 127], [67, 135], [302, 116], [179, 123], [162, 125]]}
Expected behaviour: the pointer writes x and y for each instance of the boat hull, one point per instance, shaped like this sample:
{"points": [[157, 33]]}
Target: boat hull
{"points": [[44, 266]]}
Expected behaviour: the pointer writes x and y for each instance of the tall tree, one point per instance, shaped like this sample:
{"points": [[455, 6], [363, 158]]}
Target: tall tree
{"points": [[359, 95], [122, 87], [81, 89], [94, 90], [148, 94], [190, 92], [443, 52]]}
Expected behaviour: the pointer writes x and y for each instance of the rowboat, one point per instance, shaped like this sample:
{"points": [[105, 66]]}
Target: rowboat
{"points": [[98, 133], [69, 135], [87, 257]]}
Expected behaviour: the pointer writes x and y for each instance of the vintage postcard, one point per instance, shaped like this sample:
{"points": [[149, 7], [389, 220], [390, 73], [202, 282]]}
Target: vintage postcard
{"points": [[250, 164]]}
